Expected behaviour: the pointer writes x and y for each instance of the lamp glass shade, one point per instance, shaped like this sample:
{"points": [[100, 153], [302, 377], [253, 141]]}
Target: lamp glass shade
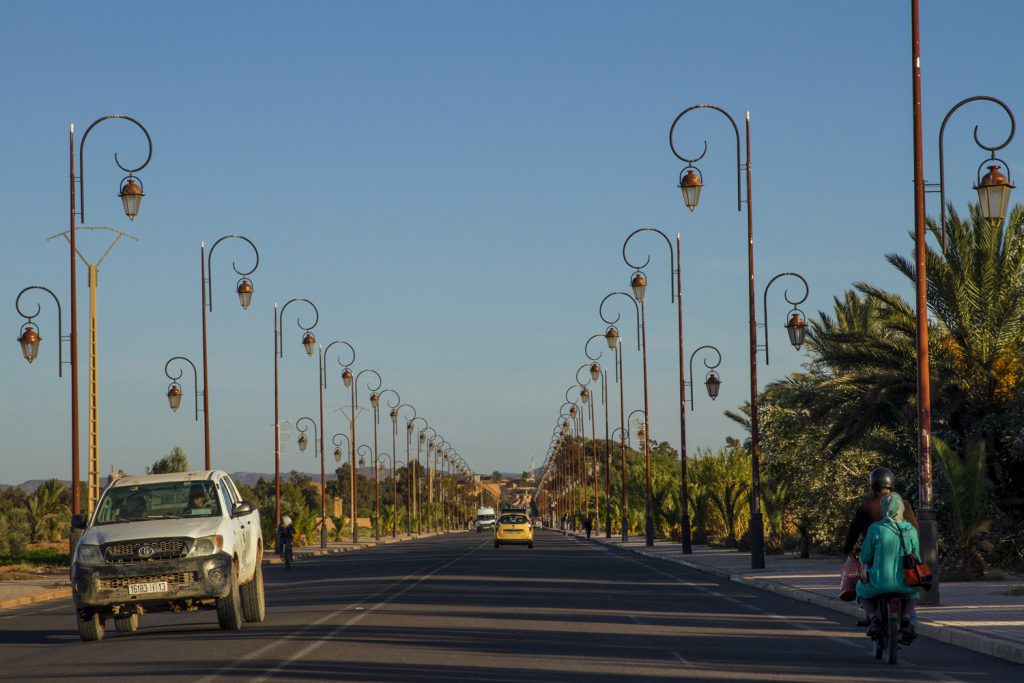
{"points": [[713, 384], [346, 377], [585, 395], [309, 342], [174, 397], [302, 442], [572, 410], [362, 461], [131, 197], [244, 293], [374, 400], [394, 416], [797, 329], [639, 285], [337, 454], [611, 336], [994, 195], [408, 427], [595, 371], [423, 437], [29, 341], [691, 196]]}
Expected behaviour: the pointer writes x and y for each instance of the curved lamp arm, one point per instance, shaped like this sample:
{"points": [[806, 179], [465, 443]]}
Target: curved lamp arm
{"points": [[174, 378], [243, 275], [304, 328], [302, 431], [600, 312], [351, 350], [993, 150], [710, 367], [690, 162], [647, 260], [28, 324], [794, 304], [129, 171]]}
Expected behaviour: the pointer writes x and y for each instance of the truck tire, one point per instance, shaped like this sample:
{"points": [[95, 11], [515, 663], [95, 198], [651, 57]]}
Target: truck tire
{"points": [[254, 605], [128, 623], [229, 608], [90, 624]]}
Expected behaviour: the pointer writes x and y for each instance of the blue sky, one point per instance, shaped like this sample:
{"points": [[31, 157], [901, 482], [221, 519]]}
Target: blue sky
{"points": [[451, 184]]}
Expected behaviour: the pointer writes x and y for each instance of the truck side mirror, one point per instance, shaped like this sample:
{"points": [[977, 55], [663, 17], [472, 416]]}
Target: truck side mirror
{"points": [[242, 508], [78, 521]]}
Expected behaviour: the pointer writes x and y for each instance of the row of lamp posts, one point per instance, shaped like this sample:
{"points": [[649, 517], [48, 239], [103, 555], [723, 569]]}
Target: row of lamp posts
{"points": [[30, 340]]}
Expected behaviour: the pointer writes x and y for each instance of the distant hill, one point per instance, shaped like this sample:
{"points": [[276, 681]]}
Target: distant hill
{"points": [[247, 478]]}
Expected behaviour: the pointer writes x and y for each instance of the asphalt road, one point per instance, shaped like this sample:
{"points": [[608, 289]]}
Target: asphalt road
{"points": [[454, 608]]}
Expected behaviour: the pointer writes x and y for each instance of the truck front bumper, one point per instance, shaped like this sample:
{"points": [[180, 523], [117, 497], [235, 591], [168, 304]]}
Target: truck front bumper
{"points": [[108, 584]]}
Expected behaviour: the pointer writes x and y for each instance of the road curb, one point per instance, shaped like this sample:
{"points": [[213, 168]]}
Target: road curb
{"points": [[992, 646], [41, 596]]}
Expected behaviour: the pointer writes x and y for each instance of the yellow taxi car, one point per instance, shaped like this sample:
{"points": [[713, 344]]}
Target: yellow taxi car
{"points": [[514, 528]]}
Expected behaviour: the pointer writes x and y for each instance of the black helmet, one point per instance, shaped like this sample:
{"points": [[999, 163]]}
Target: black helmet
{"points": [[881, 478]]}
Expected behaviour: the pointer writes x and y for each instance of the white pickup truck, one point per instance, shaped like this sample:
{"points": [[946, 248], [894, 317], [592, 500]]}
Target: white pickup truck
{"points": [[168, 542]]}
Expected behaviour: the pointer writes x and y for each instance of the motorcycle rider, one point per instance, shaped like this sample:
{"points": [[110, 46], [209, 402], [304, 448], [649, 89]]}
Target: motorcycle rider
{"points": [[870, 511]]}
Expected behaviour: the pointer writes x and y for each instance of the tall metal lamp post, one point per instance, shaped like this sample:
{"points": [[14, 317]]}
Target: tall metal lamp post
{"points": [[351, 381], [131, 195], [309, 344], [676, 296], [691, 183]]}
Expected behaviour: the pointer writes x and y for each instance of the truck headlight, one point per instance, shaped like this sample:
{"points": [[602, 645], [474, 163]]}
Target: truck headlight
{"points": [[207, 545], [88, 555]]}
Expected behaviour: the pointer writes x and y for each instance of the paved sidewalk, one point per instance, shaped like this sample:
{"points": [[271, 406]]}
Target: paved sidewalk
{"points": [[54, 586], [979, 616]]}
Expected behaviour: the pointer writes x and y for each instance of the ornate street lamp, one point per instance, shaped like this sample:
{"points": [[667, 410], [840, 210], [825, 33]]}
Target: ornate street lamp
{"points": [[244, 290], [302, 443], [29, 341], [712, 382], [174, 391], [278, 354], [993, 194], [797, 329], [131, 196], [309, 342], [796, 324], [691, 184]]}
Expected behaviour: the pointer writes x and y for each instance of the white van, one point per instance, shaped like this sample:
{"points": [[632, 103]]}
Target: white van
{"points": [[485, 519]]}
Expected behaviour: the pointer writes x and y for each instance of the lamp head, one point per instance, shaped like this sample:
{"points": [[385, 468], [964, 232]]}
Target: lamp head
{"points": [[244, 290], [691, 184], [29, 341], [131, 197], [174, 396]]}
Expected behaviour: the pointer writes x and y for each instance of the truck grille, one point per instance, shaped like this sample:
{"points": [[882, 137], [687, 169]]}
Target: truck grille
{"points": [[146, 550], [177, 579]]}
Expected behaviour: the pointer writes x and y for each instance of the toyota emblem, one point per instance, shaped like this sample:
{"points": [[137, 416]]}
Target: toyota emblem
{"points": [[146, 551]]}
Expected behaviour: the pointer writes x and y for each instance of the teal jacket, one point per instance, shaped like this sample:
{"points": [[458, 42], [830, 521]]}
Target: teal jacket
{"points": [[881, 552]]}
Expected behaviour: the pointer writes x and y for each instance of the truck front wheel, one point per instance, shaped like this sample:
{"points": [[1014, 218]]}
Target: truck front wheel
{"points": [[254, 606], [229, 608], [90, 624]]}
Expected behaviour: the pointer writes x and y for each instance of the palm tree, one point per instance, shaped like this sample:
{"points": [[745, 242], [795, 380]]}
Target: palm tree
{"points": [[45, 509], [965, 476]]}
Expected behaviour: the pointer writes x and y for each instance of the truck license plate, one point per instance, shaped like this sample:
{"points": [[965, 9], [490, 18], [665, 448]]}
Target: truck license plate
{"points": [[139, 588]]}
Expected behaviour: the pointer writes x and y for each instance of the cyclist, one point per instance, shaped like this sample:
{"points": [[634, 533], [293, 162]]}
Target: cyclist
{"points": [[285, 536], [885, 544]]}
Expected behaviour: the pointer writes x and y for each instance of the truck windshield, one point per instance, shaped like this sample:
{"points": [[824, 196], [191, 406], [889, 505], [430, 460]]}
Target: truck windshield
{"points": [[163, 500], [484, 518]]}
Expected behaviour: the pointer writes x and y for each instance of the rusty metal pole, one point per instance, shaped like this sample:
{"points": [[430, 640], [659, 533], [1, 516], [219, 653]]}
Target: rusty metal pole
{"points": [[320, 376], [593, 444], [376, 476], [648, 515], [277, 432], [684, 493], [622, 440], [926, 515], [76, 494], [206, 380], [756, 520], [607, 459]]}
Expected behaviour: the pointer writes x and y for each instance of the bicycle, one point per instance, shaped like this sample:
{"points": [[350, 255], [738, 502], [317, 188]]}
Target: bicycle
{"points": [[890, 608], [286, 553]]}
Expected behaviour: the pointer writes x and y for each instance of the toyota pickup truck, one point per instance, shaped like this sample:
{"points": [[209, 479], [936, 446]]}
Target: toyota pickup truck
{"points": [[168, 542]]}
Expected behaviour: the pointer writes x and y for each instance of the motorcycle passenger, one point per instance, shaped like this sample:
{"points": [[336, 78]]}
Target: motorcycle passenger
{"points": [[882, 482], [884, 546]]}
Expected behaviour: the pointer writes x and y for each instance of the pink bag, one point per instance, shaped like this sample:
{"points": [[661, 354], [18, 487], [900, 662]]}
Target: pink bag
{"points": [[848, 579]]}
